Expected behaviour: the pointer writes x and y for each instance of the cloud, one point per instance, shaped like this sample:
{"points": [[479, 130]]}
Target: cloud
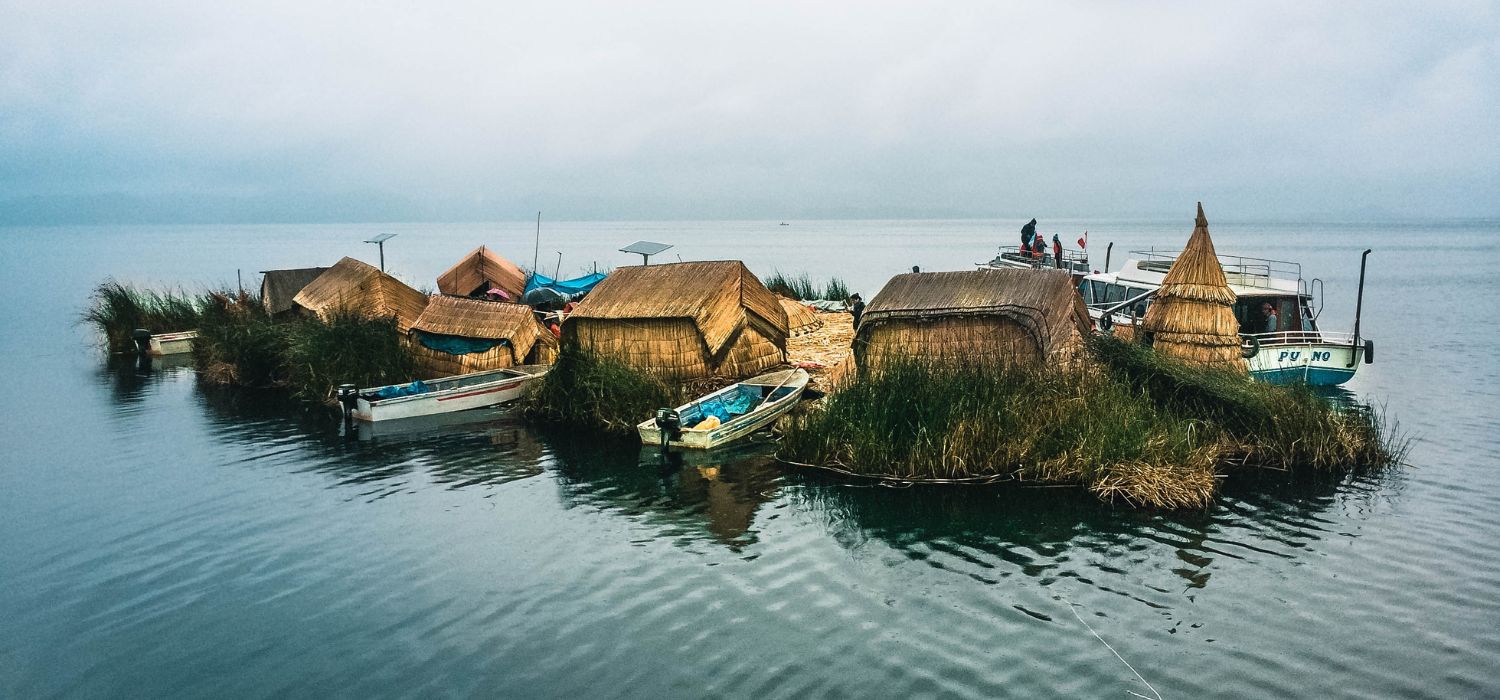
{"points": [[604, 110]]}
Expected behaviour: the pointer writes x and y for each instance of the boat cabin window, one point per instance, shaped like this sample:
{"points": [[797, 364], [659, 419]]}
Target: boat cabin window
{"points": [[1113, 294], [1290, 314], [1139, 309], [1086, 290]]}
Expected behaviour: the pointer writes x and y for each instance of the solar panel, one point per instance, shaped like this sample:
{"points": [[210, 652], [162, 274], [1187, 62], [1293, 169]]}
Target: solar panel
{"points": [[645, 248], [382, 238]]}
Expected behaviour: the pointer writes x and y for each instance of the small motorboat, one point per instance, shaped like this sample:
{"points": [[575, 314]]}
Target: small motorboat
{"points": [[727, 414], [446, 395], [163, 344]]}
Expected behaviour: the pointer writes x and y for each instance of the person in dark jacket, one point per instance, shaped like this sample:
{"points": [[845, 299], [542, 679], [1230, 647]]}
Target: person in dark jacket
{"points": [[1057, 251], [857, 307], [1028, 232]]}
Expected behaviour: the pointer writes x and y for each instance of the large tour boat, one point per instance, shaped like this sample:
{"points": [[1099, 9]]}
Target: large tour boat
{"points": [[1295, 351]]}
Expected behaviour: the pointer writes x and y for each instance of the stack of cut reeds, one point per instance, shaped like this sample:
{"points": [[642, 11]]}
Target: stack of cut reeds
{"points": [[1192, 316]]}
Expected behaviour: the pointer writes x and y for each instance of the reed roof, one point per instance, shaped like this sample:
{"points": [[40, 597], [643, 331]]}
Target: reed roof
{"points": [[361, 287], [1192, 317], [717, 296], [480, 270], [1197, 274], [481, 318], [279, 287], [799, 318], [1043, 301]]}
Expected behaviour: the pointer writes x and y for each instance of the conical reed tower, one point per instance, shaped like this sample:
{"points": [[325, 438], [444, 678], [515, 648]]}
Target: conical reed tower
{"points": [[1192, 316]]}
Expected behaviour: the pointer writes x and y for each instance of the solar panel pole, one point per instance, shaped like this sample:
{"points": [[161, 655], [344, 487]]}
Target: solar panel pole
{"points": [[380, 241]]}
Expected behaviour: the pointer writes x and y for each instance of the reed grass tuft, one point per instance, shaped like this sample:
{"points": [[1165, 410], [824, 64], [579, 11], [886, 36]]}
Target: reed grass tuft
{"points": [[238, 343], [591, 391], [344, 346], [802, 288], [1132, 426], [118, 309]]}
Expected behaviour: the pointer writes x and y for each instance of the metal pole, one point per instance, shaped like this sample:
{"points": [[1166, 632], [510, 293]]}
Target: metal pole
{"points": [[557, 270], [537, 253], [1107, 250], [1359, 303], [381, 245]]}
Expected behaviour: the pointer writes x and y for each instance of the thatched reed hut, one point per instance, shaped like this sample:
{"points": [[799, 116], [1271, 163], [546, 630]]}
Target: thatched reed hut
{"points": [[973, 316], [799, 318], [683, 320], [1192, 317], [364, 289], [455, 335], [480, 271], [279, 287]]}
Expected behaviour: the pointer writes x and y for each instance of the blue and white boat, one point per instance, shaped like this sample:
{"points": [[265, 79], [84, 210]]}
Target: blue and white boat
{"points": [[1298, 351]]}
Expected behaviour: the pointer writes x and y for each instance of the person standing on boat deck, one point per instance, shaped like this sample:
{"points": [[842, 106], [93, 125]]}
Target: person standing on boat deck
{"points": [[1028, 232], [1273, 323], [1056, 251]]}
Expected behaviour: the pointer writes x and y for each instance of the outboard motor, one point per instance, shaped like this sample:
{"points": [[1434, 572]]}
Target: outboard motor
{"points": [[142, 338], [669, 424], [348, 394]]}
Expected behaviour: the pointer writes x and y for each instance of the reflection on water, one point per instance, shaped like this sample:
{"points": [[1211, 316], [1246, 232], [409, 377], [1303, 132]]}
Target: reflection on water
{"points": [[684, 491], [168, 539]]}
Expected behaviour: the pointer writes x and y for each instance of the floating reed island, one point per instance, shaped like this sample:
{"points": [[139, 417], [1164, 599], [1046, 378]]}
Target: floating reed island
{"points": [[950, 377], [996, 375]]}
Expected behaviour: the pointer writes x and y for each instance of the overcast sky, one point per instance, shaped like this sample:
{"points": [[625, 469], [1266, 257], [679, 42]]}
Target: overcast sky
{"points": [[427, 111]]}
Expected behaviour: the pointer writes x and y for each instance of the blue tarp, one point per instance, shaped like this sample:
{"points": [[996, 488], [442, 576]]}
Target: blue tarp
{"points": [[577, 285], [736, 403], [391, 392], [455, 345]]}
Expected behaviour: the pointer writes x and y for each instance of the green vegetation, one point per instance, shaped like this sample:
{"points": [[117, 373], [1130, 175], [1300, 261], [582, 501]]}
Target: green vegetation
{"points": [[239, 344], [836, 290], [586, 390], [1137, 427], [345, 347], [118, 309], [802, 288]]}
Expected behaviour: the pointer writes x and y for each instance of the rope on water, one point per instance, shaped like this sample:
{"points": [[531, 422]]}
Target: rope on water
{"points": [[1074, 607]]}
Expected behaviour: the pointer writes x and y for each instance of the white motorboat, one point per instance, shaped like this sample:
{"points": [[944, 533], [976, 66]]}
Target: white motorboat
{"points": [[446, 395], [727, 414], [1296, 351]]}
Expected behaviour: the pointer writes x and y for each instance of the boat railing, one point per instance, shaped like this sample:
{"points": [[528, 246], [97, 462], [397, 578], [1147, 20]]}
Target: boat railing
{"points": [[1243, 270], [1073, 260], [1302, 338]]}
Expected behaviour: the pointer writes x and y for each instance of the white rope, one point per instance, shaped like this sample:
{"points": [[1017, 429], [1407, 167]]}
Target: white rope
{"points": [[1074, 608]]}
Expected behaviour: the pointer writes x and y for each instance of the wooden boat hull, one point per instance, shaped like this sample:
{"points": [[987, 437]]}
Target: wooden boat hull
{"points": [[461, 393], [787, 385], [172, 343]]}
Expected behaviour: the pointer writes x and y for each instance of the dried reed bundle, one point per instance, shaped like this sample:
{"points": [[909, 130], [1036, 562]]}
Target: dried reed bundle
{"points": [[1192, 317]]}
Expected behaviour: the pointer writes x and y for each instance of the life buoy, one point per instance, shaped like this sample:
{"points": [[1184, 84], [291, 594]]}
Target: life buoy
{"points": [[1254, 348]]}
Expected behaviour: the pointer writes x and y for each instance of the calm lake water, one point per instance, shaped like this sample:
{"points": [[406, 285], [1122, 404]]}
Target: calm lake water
{"points": [[165, 539]]}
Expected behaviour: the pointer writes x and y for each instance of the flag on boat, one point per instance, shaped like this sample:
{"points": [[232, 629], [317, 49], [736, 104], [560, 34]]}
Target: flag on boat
{"points": [[1084, 242]]}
